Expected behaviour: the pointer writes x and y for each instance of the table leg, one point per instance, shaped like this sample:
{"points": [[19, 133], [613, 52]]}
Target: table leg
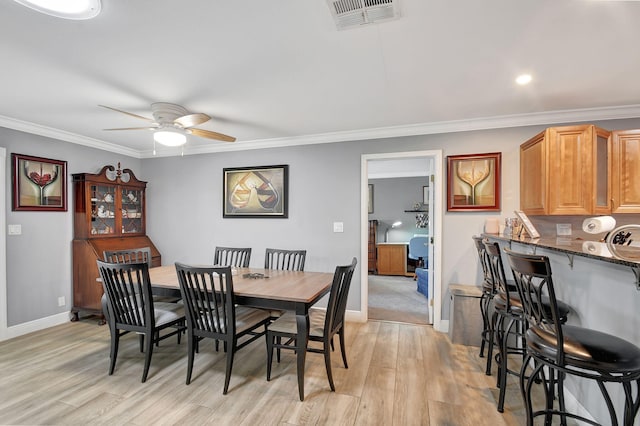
{"points": [[302, 323]]}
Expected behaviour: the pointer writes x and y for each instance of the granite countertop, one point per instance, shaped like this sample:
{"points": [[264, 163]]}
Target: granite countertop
{"points": [[624, 255]]}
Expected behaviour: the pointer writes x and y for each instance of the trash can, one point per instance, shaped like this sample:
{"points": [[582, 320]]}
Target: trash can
{"points": [[465, 319]]}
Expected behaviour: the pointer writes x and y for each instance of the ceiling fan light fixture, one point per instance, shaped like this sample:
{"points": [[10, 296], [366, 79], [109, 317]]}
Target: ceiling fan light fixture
{"points": [[168, 137], [66, 9]]}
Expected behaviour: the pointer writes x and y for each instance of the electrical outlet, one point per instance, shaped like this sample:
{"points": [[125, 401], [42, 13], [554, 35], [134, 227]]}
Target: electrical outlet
{"points": [[15, 230], [61, 301], [338, 227]]}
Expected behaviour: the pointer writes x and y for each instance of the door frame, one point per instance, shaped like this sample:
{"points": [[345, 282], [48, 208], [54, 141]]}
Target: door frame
{"points": [[435, 217], [3, 246]]}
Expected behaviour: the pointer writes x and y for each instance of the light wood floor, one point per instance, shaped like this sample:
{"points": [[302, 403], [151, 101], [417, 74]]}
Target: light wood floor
{"points": [[399, 374]]}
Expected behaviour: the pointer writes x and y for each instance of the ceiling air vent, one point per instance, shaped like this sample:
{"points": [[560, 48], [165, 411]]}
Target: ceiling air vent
{"points": [[353, 13]]}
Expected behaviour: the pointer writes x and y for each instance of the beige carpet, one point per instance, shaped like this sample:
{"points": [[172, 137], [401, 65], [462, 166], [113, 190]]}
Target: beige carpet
{"points": [[394, 298]]}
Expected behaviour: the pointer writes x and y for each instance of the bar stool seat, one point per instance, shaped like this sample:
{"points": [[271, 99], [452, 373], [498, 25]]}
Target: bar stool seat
{"points": [[587, 349], [516, 304]]}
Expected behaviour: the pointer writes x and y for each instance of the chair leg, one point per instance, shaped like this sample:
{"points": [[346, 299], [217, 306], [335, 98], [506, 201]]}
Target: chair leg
{"points": [[227, 376], [525, 387], [147, 356], [192, 342], [115, 339], [342, 348], [503, 369], [141, 342], [270, 338], [485, 322], [327, 364], [492, 336]]}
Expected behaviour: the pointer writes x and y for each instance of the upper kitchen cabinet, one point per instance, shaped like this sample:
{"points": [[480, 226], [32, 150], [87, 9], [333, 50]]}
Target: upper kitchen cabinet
{"points": [[566, 171], [625, 171]]}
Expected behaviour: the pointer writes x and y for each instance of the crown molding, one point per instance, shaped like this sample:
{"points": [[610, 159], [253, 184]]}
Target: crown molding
{"points": [[499, 122], [50, 132]]}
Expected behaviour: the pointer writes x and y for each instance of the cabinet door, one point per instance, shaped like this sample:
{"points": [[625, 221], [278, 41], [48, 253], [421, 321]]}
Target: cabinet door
{"points": [[625, 171], [132, 212], [533, 176], [570, 170], [392, 259], [103, 207]]}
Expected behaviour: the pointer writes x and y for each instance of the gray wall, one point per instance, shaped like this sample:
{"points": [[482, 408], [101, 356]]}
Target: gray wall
{"points": [[184, 209], [392, 196], [39, 261]]}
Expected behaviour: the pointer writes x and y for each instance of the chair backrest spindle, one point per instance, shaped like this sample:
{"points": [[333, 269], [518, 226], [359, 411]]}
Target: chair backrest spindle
{"points": [[288, 260], [232, 256]]}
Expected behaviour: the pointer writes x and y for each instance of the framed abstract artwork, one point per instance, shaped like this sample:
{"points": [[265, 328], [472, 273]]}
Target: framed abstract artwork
{"points": [[473, 182], [255, 192], [38, 184]]}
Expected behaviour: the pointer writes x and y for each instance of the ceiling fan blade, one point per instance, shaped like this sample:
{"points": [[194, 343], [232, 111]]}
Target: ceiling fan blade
{"points": [[125, 112], [192, 119], [133, 128], [212, 135]]}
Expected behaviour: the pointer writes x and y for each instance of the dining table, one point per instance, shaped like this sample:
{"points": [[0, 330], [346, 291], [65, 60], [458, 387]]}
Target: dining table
{"points": [[295, 291]]}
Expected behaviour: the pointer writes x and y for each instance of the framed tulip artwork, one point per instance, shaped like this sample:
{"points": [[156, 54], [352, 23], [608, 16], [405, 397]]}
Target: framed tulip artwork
{"points": [[38, 184], [473, 182], [255, 192]]}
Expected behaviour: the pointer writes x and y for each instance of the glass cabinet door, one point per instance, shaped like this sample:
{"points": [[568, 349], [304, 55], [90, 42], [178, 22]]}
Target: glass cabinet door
{"points": [[103, 210], [132, 211]]}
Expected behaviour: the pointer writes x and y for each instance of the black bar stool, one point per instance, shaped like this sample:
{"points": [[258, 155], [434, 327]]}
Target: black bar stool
{"points": [[508, 321], [567, 349], [488, 292]]}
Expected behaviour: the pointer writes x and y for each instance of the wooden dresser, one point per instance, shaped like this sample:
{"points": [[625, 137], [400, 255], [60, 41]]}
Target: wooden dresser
{"points": [[392, 258]]}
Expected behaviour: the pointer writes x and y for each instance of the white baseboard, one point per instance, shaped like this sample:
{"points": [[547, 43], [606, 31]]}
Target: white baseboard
{"points": [[444, 326], [35, 325]]}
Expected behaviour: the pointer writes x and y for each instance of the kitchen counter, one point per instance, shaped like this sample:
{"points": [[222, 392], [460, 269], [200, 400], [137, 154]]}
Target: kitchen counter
{"points": [[572, 246]]}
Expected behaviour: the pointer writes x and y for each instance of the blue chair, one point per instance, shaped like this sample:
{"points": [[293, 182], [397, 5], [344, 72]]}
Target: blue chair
{"points": [[419, 250]]}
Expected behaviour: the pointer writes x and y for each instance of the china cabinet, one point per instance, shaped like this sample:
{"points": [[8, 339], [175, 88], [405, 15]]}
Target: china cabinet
{"points": [[566, 171], [109, 214]]}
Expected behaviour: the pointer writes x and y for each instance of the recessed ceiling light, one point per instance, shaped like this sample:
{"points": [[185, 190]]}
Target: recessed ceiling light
{"points": [[523, 79], [67, 9]]}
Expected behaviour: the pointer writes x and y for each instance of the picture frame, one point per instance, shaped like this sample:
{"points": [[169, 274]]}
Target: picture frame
{"points": [[38, 184], [473, 182], [526, 224], [255, 192], [370, 199]]}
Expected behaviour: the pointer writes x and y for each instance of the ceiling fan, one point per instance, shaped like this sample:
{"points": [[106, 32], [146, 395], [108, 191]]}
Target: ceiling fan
{"points": [[171, 123]]}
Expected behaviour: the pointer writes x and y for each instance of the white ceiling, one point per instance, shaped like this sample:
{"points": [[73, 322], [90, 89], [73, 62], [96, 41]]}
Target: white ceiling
{"points": [[273, 73]]}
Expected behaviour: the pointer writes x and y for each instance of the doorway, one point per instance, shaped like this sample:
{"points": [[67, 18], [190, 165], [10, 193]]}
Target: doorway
{"points": [[403, 164]]}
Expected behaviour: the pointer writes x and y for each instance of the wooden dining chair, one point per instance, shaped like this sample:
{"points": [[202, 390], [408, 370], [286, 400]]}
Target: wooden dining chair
{"points": [[211, 312], [131, 308], [286, 260], [232, 256], [134, 255], [322, 325]]}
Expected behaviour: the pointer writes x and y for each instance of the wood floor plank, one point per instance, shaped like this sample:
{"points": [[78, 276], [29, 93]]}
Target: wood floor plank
{"points": [[399, 374]]}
